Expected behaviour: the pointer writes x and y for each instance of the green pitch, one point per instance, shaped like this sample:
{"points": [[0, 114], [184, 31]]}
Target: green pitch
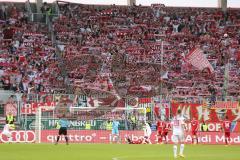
{"points": [[114, 152]]}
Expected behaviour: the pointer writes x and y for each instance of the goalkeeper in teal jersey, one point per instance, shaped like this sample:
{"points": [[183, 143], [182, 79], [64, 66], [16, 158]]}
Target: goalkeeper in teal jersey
{"points": [[62, 125], [115, 130]]}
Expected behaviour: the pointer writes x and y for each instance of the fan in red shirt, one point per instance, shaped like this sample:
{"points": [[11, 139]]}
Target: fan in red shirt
{"points": [[226, 127], [194, 128], [166, 128], [160, 125]]}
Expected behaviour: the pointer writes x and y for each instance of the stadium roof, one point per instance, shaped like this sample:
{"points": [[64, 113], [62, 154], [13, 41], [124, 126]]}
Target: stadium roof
{"points": [[180, 3]]}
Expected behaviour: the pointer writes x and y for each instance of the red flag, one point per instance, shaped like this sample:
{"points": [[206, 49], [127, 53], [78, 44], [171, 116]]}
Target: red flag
{"points": [[198, 60]]}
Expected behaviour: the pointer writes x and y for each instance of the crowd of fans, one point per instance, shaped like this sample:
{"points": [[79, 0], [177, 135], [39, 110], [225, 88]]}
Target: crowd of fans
{"points": [[28, 62], [123, 50]]}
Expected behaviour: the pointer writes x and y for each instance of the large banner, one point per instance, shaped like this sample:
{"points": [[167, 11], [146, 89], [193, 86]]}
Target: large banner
{"points": [[48, 124], [225, 105], [103, 136], [201, 112], [213, 117], [162, 110], [190, 110]]}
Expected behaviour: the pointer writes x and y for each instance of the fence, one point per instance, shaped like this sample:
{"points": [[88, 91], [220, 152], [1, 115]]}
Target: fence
{"points": [[25, 106], [32, 101]]}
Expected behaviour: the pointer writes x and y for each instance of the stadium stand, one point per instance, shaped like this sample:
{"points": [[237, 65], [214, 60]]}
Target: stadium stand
{"points": [[117, 49]]}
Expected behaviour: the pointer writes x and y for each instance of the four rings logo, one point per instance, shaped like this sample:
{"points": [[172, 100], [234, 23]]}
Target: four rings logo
{"points": [[19, 136]]}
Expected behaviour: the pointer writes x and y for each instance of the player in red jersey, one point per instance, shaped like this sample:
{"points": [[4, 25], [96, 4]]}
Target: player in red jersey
{"points": [[160, 125], [129, 141], [166, 128], [194, 128], [226, 126]]}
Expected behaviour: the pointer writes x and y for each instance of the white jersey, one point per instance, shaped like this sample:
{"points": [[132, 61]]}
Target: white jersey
{"points": [[6, 131], [6, 128], [147, 130], [177, 125]]}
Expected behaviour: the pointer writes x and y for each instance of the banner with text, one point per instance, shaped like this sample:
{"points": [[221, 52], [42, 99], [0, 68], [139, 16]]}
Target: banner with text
{"points": [[225, 105], [103, 136], [93, 136], [213, 117]]}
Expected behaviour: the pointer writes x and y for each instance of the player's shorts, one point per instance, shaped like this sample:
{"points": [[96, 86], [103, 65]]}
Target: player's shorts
{"points": [[115, 131], [129, 141], [159, 132], [227, 134], [165, 133], [178, 138], [148, 135], [62, 130], [8, 134], [194, 133]]}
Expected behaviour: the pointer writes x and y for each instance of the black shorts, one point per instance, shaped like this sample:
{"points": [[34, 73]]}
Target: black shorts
{"points": [[129, 141], [62, 130]]}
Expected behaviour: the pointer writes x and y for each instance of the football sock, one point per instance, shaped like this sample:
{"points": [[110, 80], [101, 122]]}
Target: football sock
{"points": [[66, 138], [58, 137], [175, 150], [181, 149]]}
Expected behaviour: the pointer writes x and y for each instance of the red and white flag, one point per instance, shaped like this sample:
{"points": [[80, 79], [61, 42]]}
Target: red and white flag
{"points": [[198, 60]]}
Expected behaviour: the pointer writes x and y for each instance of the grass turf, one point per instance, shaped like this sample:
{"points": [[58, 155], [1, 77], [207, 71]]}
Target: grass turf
{"points": [[114, 152]]}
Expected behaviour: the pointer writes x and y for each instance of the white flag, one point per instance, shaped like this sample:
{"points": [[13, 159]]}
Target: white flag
{"points": [[198, 60]]}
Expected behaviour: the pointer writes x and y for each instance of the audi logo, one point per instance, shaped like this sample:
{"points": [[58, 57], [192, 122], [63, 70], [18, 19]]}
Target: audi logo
{"points": [[20, 136]]}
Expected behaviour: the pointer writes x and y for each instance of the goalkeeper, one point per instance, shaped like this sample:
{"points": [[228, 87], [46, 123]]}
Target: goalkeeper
{"points": [[62, 124], [115, 130]]}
